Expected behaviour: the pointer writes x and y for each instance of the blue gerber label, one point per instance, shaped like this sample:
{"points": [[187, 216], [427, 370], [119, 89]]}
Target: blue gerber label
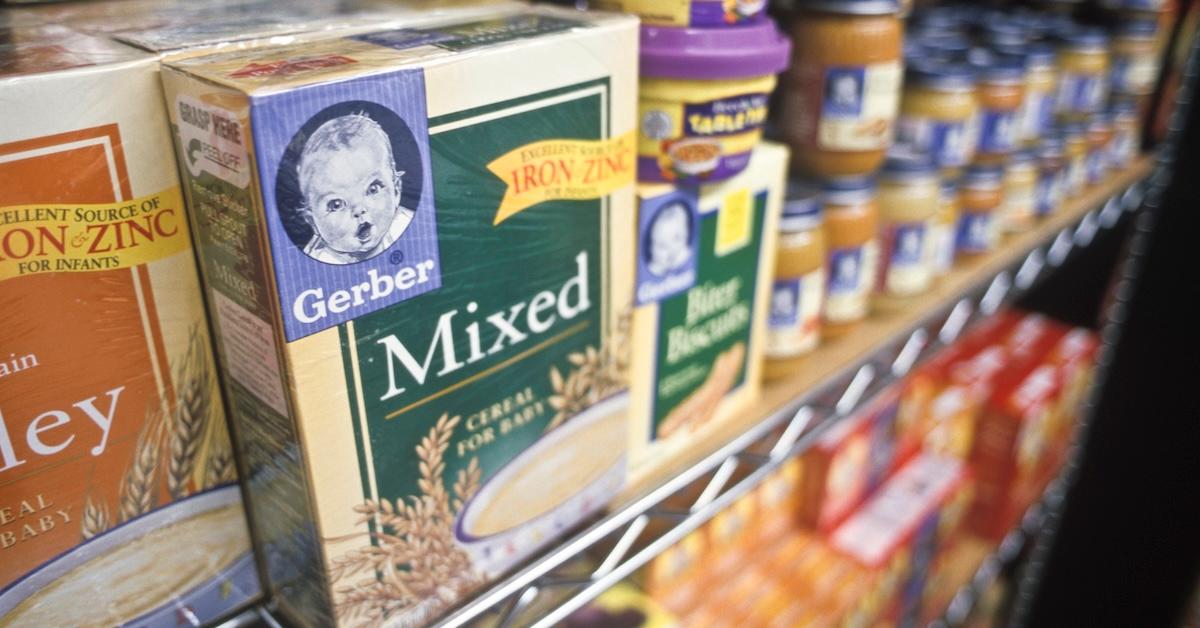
{"points": [[998, 131], [975, 233], [845, 268], [785, 303]]}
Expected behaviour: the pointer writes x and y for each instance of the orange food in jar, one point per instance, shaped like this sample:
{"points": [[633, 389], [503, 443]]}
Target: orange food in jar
{"points": [[840, 98], [1019, 207], [945, 226], [981, 193], [908, 200], [1075, 148], [1001, 94], [794, 322], [1135, 57], [1125, 143], [939, 111], [1083, 69], [851, 215], [1099, 137]]}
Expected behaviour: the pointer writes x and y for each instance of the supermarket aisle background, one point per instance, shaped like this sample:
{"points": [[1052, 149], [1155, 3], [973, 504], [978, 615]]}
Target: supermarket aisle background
{"points": [[1128, 550]]}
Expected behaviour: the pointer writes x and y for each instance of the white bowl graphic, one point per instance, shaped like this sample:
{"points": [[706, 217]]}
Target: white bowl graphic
{"points": [[495, 551], [685, 164], [123, 560]]}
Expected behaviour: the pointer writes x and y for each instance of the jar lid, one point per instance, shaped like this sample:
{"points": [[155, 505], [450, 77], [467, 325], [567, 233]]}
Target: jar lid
{"points": [[982, 177], [1073, 129], [948, 46], [997, 68], [852, 7], [905, 163], [941, 75], [933, 22], [802, 207], [948, 186], [1086, 38], [1050, 147], [1005, 33], [1033, 54], [1022, 157], [1123, 107], [1138, 28], [714, 53], [1137, 5], [848, 190]]}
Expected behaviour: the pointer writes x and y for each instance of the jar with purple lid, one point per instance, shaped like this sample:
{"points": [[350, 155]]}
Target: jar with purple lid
{"points": [[688, 13], [703, 98]]}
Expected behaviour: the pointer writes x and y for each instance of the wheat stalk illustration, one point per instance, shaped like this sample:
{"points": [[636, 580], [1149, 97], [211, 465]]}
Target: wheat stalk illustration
{"points": [[137, 491], [596, 374], [192, 412], [96, 518], [413, 564]]}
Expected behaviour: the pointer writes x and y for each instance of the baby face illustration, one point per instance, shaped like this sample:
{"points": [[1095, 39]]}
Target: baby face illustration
{"points": [[847, 269], [783, 302], [670, 236], [352, 192], [845, 90]]}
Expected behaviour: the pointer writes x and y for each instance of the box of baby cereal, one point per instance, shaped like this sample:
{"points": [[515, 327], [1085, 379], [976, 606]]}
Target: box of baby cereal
{"points": [[415, 247], [119, 502], [703, 278]]}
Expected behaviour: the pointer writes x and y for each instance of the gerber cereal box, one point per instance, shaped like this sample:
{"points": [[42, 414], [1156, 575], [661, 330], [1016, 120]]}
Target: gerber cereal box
{"points": [[119, 502], [703, 277], [415, 245]]}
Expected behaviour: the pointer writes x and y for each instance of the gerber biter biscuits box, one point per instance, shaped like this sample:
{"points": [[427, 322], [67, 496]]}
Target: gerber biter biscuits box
{"points": [[119, 502], [704, 256], [415, 244]]}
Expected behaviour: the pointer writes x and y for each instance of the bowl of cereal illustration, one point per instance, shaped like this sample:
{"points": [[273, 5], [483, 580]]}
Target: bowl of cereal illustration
{"points": [[192, 555], [570, 472], [695, 156]]}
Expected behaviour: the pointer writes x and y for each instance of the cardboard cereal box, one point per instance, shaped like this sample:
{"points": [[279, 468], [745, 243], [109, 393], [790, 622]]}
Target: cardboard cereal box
{"points": [[704, 262], [415, 248], [119, 501]]}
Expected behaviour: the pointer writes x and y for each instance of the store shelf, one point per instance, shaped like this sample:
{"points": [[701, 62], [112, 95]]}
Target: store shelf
{"points": [[790, 415], [793, 412], [992, 566]]}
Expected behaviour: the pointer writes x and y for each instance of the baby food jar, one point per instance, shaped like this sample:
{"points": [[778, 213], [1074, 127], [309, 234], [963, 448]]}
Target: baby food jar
{"points": [[842, 93], [1083, 73], [1001, 91], [1135, 57], [947, 47], [1124, 145], [1041, 83], [1099, 137], [981, 192], [908, 201], [945, 226], [1075, 148], [1019, 207], [794, 323], [702, 13], [851, 218], [938, 112], [1051, 161], [703, 99]]}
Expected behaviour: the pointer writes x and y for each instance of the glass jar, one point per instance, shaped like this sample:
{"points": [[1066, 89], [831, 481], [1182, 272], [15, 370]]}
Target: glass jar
{"points": [[1083, 65], [1041, 83], [1019, 208], [949, 47], [1124, 146], [794, 323], [1075, 148], [938, 112], [842, 93], [981, 192], [851, 214], [1052, 167], [1135, 57], [908, 201], [945, 226], [1001, 91], [1099, 137]]}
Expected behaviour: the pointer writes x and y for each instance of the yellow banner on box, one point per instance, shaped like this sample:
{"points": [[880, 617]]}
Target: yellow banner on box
{"points": [[552, 170], [72, 237]]}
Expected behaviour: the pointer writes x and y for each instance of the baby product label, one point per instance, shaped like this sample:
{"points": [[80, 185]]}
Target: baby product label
{"points": [[1077, 173], [697, 141], [948, 142], [80, 237], [795, 317], [998, 131], [213, 141], [668, 245], [1097, 165], [858, 106], [1134, 74], [906, 267], [348, 198], [851, 274], [1019, 206], [976, 233], [1048, 192], [1081, 93], [1123, 147], [943, 247], [704, 334]]}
